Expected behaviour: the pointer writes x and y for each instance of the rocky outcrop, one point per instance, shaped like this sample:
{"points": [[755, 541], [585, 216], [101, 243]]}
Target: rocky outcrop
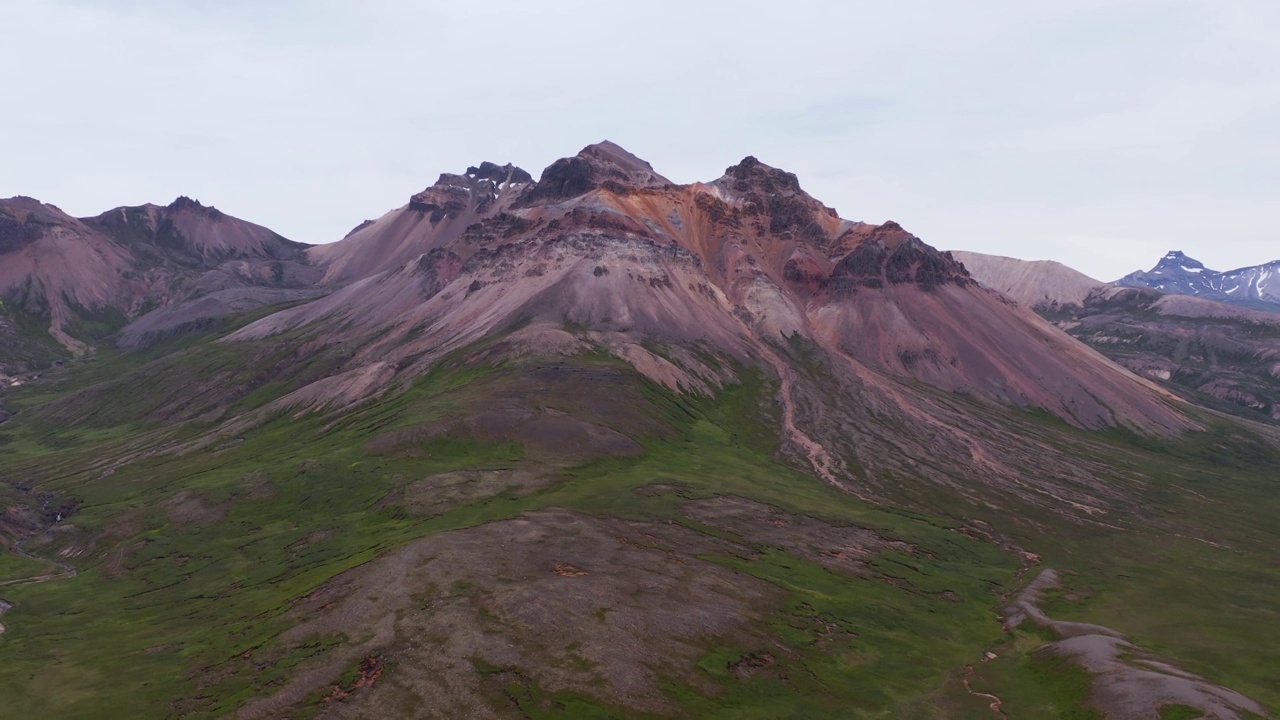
{"points": [[431, 219], [774, 195], [474, 192], [891, 256], [21, 223], [596, 165]]}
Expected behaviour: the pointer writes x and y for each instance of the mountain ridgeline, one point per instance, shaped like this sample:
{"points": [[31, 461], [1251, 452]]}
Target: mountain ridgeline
{"points": [[1213, 352], [1257, 286], [600, 444], [133, 275]]}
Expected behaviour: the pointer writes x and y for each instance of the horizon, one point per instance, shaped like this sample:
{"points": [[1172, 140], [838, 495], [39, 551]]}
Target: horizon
{"points": [[1168, 253], [1099, 135]]}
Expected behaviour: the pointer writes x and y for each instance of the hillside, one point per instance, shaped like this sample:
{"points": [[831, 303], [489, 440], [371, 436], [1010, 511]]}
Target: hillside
{"points": [[1037, 284], [150, 270], [602, 445]]}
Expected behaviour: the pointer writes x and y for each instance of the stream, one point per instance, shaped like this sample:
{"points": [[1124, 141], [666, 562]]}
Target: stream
{"points": [[65, 571]]}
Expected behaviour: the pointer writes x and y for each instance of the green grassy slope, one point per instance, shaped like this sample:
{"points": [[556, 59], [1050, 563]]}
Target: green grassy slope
{"points": [[192, 561]]}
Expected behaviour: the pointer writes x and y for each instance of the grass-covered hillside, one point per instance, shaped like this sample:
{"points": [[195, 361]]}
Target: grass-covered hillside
{"points": [[559, 536]]}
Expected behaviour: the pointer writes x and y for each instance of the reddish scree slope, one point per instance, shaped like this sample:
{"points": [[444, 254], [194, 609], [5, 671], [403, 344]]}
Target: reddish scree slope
{"points": [[603, 245]]}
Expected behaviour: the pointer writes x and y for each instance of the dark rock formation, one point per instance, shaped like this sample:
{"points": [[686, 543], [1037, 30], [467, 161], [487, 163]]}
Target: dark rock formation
{"points": [[499, 174], [596, 165], [16, 234], [891, 256], [182, 202]]}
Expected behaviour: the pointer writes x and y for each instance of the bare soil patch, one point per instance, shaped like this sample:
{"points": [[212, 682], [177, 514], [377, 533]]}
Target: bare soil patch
{"points": [[568, 602]]}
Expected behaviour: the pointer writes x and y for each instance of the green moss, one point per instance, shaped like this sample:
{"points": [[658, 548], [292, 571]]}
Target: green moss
{"points": [[1180, 712], [170, 600]]}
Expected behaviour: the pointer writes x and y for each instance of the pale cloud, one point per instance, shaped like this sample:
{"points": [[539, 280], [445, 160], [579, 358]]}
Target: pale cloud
{"points": [[1098, 133]]}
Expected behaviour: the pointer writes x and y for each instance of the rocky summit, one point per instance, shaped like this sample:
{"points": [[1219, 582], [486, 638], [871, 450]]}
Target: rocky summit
{"points": [[1257, 286], [601, 444]]}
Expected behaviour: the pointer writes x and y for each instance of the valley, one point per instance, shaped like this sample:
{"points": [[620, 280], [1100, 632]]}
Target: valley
{"points": [[602, 445]]}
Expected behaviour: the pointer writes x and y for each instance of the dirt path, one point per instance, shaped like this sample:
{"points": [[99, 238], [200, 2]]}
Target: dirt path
{"points": [[65, 572], [1129, 683], [1030, 560]]}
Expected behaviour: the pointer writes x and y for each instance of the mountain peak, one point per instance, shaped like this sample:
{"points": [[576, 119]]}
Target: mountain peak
{"points": [[23, 220], [1178, 261], [593, 166], [761, 188], [498, 174], [24, 206], [1254, 286], [613, 158], [182, 202], [475, 190], [1181, 257], [751, 175]]}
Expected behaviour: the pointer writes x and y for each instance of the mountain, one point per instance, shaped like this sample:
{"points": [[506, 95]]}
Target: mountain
{"points": [[735, 266], [432, 217], [1257, 286], [55, 265], [1213, 353], [1037, 284], [1210, 352], [151, 270], [604, 445]]}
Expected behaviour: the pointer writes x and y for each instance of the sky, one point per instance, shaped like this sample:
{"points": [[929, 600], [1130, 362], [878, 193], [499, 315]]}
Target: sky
{"points": [[1097, 133]]}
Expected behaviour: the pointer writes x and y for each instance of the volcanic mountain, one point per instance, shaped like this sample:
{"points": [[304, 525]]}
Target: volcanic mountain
{"points": [[1257, 286], [746, 270], [164, 267]]}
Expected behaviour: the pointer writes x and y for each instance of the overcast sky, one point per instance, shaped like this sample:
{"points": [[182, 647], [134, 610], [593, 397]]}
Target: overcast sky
{"points": [[1098, 133]]}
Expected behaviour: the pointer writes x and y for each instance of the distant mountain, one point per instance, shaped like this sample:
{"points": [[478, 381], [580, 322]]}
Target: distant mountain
{"points": [[1212, 352], [1038, 284], [133, 273], [1257, 286]]}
